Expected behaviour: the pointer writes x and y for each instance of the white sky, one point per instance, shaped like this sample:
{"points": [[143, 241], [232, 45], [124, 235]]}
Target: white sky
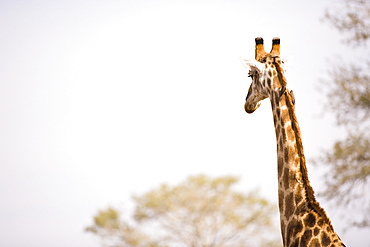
{"points": [[103, 99]]}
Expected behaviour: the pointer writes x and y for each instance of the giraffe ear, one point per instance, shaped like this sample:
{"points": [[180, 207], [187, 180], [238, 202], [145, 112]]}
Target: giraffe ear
{"points": [[251, 64]]}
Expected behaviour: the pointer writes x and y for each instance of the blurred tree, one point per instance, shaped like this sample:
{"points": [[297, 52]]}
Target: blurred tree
{"points": [[199, 212], [348, 161], [115, 232], [351, 17]]}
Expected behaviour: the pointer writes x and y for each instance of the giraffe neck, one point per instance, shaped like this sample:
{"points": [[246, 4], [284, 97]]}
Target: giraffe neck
{"points": [[302, 220], [292, 171]]}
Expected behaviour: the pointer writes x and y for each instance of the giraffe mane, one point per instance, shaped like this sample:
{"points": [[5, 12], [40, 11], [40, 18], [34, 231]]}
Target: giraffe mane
{"points": [[310, 194]]}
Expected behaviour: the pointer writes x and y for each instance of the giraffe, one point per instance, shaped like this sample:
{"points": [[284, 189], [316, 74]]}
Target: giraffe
{"points": [[303, 222]]}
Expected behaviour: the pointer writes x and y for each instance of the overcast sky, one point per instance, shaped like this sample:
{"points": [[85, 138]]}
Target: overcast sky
{"points": [[103, 99]]}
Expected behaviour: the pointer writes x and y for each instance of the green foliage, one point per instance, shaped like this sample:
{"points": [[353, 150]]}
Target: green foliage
{"points": [[108, 219], [350, 169], [352, 17], [115, 232], [200, 211], [348, 92]]}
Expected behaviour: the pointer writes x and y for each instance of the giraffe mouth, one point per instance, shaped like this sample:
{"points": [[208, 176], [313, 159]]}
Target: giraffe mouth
{"points": [[250, 108]]}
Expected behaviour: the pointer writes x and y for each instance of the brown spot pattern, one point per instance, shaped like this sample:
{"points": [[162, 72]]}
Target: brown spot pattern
{"points": [[280, 165], [294, 227], [276, 96], [275, 120], [320, 222], [281, 201], [280, 141], [289, 207], [286, 178], [310, 220], [301, 208], [298, 197], [306, 238], [278, 114], [286, 156], [325, 240], [315, 243]]}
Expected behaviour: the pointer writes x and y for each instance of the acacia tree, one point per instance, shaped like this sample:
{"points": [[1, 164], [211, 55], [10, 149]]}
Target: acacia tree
{"points": [[348, 92], [116, 232], [199, 212]]}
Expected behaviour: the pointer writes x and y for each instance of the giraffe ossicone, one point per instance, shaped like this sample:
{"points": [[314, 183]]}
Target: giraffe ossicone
{"points": [[303, 222]]}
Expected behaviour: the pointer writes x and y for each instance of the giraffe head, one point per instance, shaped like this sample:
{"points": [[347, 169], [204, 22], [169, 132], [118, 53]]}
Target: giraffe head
{"points": [[266, 73]]}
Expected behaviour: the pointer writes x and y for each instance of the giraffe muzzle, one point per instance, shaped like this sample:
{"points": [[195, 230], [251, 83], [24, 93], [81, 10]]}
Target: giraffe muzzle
{"points": [[250, 108]]}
